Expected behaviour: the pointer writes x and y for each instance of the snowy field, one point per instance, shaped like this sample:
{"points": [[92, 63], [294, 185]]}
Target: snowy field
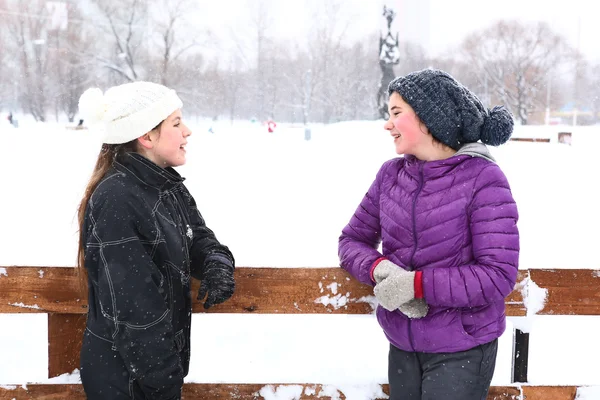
{"points": [[279, 201]]}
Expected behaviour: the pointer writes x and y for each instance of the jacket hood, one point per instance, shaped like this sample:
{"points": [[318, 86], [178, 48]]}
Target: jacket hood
{"points": [[475, 150]]}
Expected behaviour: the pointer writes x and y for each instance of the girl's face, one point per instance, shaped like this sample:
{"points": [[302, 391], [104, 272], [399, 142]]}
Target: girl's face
{"points": [[410, 134], [169, 142]]}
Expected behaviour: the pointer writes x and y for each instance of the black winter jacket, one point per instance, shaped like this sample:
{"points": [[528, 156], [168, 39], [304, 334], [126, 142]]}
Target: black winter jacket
{"points": [[144, 237]]}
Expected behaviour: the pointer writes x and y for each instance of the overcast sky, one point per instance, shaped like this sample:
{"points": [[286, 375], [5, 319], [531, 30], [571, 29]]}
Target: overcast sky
{"points": [[450, 21], [438, 25]]}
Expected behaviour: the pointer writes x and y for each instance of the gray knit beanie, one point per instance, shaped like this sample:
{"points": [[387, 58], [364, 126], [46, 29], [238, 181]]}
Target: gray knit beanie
{"points": [[451, 112]]}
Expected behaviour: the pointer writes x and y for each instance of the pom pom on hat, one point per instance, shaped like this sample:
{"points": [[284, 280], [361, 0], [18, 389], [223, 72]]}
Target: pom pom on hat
{"points": [[92, 106], [497, 126]]}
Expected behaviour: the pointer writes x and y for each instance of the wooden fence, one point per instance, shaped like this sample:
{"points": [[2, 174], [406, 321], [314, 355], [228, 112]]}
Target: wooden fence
{"points": [[54, 290]]}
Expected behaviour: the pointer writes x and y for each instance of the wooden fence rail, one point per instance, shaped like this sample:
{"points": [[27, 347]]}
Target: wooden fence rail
{"points": [[252, 392], [55, 290]]}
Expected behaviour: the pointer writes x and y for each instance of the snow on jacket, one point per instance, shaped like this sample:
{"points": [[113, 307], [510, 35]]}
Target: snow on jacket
{"points": [[455, 220]]}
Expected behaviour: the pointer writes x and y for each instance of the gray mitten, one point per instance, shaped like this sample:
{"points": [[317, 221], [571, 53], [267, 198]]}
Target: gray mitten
{"points": [[395, 286], [415, 308]]}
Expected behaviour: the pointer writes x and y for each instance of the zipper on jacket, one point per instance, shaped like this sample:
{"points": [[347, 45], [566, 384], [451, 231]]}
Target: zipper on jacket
{"points": [[187, 233], [414, 221], [184, 229], [414, 217]]}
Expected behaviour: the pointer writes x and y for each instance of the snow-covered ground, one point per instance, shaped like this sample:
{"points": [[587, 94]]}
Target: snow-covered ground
{"points": [[278, 200]]}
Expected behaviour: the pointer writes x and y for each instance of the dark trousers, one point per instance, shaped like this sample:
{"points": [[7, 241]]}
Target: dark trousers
{"points": [[465, 375], [103, 373]]}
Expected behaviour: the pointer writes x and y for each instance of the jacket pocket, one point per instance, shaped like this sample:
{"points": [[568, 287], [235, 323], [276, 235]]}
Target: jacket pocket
{"points": [[180, 340], [441, 331], [461, 317]]}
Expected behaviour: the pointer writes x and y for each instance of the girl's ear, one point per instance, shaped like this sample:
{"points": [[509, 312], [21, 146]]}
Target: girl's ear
{"points": [[146, 141]]}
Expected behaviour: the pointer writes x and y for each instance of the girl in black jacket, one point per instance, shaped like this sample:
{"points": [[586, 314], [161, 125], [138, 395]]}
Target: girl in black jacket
{"points": [[141, 240]]}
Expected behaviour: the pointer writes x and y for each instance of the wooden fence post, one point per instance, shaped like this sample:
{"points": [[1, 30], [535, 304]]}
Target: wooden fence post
{"points": [[520, 356], [65, 333]]}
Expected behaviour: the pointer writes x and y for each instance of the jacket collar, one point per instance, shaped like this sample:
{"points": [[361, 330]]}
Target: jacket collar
{"points": [[433, 169], [148, 172], [476, 150]]}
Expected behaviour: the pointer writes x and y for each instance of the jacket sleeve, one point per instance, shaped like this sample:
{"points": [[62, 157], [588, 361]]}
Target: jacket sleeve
{"points": [[205, 246], [131, 292], [492, 275], [360, 239]]}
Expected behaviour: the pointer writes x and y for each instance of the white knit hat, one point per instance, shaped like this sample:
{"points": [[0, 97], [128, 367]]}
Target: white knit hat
{"points": [[127, 111]]}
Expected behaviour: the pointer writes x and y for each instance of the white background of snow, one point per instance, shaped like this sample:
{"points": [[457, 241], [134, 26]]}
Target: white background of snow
{"points": [[588, 393], [278, 200], [256, 189]]}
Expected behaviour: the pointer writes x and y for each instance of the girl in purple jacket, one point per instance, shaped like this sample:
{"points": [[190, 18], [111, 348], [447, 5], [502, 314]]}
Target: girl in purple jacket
{"points": [[447, 224]]}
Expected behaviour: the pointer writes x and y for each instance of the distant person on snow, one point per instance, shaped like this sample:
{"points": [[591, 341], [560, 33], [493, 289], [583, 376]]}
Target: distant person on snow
{"points": [[141, 240], [11, 120], [271, 125], [447, 222]]}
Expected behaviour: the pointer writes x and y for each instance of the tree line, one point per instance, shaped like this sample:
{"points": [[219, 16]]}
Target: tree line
{"points": [[53, 51]]}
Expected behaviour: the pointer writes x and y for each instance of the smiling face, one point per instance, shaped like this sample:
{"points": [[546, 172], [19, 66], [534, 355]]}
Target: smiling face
{"points": [[410, 134], [165, 146]]}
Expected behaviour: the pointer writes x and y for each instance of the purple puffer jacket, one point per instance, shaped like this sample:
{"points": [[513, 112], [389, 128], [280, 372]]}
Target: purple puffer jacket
{"points": [[454, 220]]}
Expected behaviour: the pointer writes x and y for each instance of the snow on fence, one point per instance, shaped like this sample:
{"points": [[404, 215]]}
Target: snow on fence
{"points": [[54, 290]]}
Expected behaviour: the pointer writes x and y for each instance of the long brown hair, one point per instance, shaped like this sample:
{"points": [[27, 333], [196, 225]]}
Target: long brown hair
{"points": [[108, 154]]}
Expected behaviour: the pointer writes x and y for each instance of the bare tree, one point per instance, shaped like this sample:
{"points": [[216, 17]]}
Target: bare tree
{"points": [[253, 50], [188, 83], [354, 78], [297, 75], [594, 94], [25, 23], [74, 73], [315, 74], [325, 44], [584, 93], [513, 59], [6, 67], [261, 21], [233, 79], [412, 57], [359, 82], [169, 21], [126, 23]]}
